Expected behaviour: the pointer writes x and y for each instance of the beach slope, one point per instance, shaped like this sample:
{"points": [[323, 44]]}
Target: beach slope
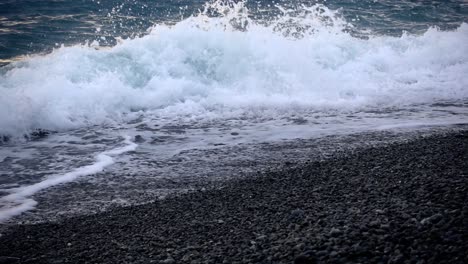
{"points": [[401, 203]]}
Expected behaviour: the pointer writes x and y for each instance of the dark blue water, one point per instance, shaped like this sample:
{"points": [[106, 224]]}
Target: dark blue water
{"points": [[30, 26]]}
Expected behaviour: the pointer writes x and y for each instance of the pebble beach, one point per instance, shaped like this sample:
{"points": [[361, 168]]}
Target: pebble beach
{"points": [[404, 202]]}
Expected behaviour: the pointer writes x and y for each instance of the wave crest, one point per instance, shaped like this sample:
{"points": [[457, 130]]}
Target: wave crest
{"points": [[223, 64]]}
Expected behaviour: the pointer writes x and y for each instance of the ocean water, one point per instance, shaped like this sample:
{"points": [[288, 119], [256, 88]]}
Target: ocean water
{"points": [[119, 102]]}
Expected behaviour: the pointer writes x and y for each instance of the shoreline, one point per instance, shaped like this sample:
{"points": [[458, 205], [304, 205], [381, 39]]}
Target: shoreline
{"points": [[201, 169], [391, 203]]}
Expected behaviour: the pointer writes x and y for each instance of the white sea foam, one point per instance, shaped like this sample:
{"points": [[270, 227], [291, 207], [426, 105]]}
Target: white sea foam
{"points": [[19, 200], [215, 67]]}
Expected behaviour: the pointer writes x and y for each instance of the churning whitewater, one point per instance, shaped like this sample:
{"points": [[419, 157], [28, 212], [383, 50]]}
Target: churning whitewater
{"points": [[208, 68]]}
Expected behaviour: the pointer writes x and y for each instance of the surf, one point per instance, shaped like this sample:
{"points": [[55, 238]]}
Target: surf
{"points": [[222, 64]]}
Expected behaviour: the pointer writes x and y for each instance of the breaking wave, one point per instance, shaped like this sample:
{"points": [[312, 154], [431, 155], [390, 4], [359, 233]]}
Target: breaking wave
{"points": [[223, 64]]}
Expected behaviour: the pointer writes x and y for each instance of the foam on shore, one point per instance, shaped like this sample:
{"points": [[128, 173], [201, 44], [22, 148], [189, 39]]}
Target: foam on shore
{"points": [[19, 200]]}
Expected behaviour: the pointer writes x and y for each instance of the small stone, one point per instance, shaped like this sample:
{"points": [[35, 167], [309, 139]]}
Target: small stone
{"points": [[397, 259], [385, 226], [334, 232], [297, 214], [186, 258], [168, 261], [299, 246], [431, 219], [374, 223], [357, 248], [69, 244], [387, 249]]}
